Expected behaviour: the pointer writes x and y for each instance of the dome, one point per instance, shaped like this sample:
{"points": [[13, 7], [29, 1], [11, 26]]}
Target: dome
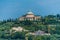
{"points": [[30, 13]]}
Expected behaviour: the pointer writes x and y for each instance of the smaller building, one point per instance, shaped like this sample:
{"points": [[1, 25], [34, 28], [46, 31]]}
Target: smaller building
{"points": [[39, 32], [18, 29], [30, 16]]}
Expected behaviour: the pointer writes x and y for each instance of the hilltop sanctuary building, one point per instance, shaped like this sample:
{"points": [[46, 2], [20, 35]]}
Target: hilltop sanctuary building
{"points": [[30, 16]]}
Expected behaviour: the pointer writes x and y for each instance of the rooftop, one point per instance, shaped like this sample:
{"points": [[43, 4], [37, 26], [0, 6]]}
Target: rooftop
{"points": [[30, 12]]}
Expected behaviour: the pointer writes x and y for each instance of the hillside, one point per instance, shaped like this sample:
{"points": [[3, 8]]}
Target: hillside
{"points": [[48, 24]]}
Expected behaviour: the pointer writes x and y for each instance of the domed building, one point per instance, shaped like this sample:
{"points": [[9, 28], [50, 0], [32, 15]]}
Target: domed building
{"points": [[30, 16]]}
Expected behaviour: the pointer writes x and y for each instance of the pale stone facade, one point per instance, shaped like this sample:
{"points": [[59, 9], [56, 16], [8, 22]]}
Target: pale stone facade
{"points": [[30, 16]]}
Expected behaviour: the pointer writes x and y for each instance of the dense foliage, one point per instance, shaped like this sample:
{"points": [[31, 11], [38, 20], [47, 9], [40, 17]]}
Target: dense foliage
{"points": [[49, 24]]}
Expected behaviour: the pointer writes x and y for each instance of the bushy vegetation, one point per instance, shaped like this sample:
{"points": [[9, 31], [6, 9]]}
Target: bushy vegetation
{"points": [[49, 24]]}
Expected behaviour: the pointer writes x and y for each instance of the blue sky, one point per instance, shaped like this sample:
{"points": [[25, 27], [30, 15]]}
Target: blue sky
{"points": [[16, 8]]}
